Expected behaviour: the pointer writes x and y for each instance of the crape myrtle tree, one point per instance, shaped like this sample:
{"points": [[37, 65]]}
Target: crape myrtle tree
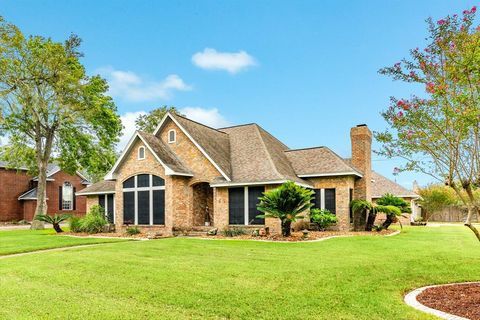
{"points": [[51, 110], [149, 122], [437, 133]]}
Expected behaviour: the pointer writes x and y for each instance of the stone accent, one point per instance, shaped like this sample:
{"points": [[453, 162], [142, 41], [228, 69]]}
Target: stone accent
{"points": [[202, 202], [188, 153], [361, 138], [342, 185]]}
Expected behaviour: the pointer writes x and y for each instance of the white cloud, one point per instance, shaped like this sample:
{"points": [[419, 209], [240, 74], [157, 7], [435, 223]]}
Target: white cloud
{"points": [[129, 86], [210, 117], [232, 62], [128, 121]]}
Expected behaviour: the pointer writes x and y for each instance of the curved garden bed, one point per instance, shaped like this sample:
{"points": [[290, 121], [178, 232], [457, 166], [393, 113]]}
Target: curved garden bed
{"points": [[451, 301]]}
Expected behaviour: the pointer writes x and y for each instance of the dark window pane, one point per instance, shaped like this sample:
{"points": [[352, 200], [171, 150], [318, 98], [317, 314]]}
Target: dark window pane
{"points": [[158, 182], [330, 203], [143, 180], [236, 206], [159, 207], [129, 207], [110, 208], [349, 201], [317, 200], [129, 183], [171, 136], [143, 207], [253, 194], [101, 201], [141, 153]]}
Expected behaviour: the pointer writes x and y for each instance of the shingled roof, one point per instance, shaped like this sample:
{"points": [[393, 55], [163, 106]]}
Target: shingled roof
{"points": [[100, 187], [257, 156], [319, 161], [382, 185]]}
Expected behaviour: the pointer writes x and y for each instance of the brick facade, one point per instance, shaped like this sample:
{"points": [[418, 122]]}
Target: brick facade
{"points": [[361, 138], [13, 184]]}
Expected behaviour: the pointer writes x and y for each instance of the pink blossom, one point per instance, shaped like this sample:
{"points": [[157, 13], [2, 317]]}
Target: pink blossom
{"points": [[430, 87], [400, 114], [473, 10], [441, 22]]}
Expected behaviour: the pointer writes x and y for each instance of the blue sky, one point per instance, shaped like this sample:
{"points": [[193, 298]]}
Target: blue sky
{"points": [[306, 71]]}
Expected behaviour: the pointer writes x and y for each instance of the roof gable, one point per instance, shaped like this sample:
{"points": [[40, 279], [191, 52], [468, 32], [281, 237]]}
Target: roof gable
{"points": [[161, 152], [212, 143]]}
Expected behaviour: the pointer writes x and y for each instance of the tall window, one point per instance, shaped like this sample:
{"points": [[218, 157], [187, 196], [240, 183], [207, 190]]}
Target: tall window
{"points": [[144, 200], [325, 199], [67, 196], [141, 153], [171, 136]]}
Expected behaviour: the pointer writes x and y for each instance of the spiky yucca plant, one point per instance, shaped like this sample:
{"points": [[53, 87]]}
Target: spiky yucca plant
{"points": [[55, 220]]}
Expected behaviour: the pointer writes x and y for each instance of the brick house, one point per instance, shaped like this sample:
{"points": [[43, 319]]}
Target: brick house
{"points": [[187, 175], [18, 192]]}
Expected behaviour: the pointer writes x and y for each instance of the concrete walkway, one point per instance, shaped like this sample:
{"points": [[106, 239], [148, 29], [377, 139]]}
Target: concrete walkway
{"points": [[12, 227]]}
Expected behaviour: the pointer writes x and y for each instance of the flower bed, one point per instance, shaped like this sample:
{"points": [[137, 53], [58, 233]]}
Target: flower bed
{"points": [[312, 235]]}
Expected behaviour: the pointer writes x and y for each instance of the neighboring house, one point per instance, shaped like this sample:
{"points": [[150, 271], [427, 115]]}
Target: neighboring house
{"points": [[18, 192], [187, 175]]}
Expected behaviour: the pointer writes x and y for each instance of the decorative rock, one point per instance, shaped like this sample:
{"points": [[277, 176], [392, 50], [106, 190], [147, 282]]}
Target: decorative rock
{"points": [[212, 232], [305, 233], [154, 235], [256, 232]]}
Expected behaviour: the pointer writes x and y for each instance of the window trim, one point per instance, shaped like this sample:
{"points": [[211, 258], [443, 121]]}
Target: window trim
{"points": [[138, 153], [174, 136], [70, 207], [135, 191]]}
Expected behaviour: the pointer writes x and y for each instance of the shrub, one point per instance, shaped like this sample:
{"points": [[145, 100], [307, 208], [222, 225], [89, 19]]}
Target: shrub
{"points": [[301, 225], [75, 224], [93, 222], [131, 231], [55, 220], [234, 232], [322, 218]]}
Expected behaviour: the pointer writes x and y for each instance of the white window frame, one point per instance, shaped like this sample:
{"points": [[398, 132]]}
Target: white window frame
{"points": [[67, 205], [138, 153], [136, 189], [174, 136]]}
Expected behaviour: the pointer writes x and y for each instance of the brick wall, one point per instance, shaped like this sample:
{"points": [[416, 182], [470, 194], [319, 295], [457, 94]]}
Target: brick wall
{"points": [[12, 185], [342, 185], [53, 194]]}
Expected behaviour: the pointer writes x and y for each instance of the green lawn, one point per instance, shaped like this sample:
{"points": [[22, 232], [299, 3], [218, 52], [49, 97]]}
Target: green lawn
{"points": [[27, 240], [343, 278]]}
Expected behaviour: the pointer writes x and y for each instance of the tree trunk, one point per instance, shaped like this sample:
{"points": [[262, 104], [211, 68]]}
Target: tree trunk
{"points": [[41, 195], [286, 228], [359, 220], [56, 227], [370, 221], [388, 221], [468, 223]]}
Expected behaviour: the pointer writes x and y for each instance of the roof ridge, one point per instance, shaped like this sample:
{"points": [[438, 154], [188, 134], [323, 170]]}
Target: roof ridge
{"points": [[271, 135], [307, 148], [199, 123], [238, 125], [266, 150]]}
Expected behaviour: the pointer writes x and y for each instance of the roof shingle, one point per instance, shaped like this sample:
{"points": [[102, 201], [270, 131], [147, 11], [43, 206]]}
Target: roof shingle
{"points": [[100, 187], [382, 185]]}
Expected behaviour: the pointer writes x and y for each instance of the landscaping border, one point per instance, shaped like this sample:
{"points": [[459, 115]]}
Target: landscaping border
{"points": [[411, 300]]}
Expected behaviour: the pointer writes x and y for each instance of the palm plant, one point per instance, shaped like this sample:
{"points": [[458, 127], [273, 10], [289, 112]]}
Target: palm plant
{"points": [[286, 203], [55, 220], [365, 213], [389, 200]]}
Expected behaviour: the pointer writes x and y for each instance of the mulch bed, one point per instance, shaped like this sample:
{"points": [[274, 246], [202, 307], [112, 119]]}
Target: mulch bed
{"points": [[313, 235], [102, 235], [459, 299]]}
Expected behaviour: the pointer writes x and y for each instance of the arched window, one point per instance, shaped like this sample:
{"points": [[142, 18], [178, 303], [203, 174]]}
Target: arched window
{"points": [[67, 196], [141, 153], [172, 136], [144, 200]]}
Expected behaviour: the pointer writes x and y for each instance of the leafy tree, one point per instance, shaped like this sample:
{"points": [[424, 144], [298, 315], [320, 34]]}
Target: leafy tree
{"points": [[49, 108], [436, 198], [55, 220], [438, 133], [286, 203], [389, 200], [149, 122]]}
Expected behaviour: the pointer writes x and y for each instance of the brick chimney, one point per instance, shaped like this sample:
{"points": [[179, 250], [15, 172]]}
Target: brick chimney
{"points": [[361, 138]]}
